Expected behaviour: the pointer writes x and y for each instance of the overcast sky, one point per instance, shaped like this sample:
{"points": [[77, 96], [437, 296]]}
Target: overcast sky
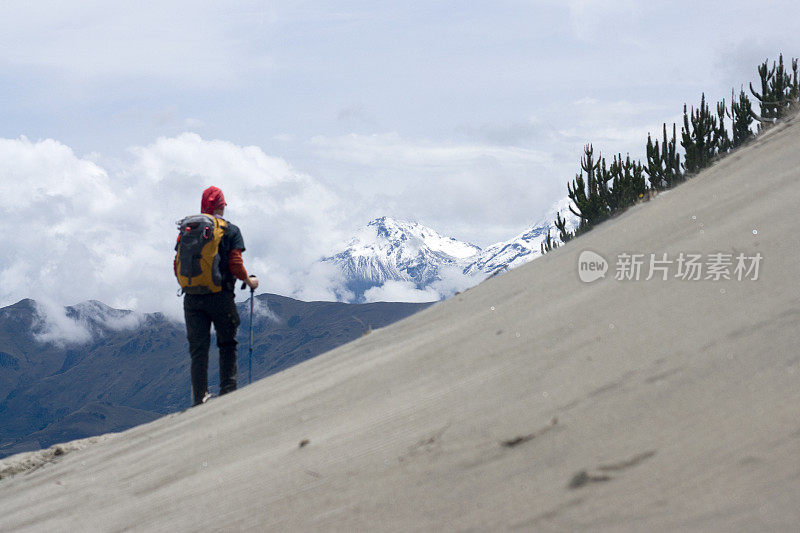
{"points": [[315, 117]]}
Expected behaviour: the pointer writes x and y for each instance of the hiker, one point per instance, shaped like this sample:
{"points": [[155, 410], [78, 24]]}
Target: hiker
{"points": [[208, 282]]}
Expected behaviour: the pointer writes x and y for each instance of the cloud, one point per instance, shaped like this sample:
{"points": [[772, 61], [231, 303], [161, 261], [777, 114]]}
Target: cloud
{"points": [[592, 20], [123, 322], [287, 218], [400, 291], [98, 316], [63, 181], [262, 314], [80, 324], [515, 133], [90, 233], [476, 192], [193, 123], [453, 280], [192, 44], [322, 281], [261, 310], [53, 326], [58, 203], [737, 64], [614, 126], [355, 114], [392, 149]]}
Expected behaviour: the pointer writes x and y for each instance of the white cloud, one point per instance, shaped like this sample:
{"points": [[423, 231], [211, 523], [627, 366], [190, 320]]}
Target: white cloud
{"points": [[475, 192], [57, 202], [52, 325], [193, 123], [391, 149], [261, 310], [123, 321], [453, 280], [400, 291], [321, 281], [55, 324], [195, 44], [613, 126], [63, 181], [518, 132], [87, 233], [594, 19], [107, 317]]}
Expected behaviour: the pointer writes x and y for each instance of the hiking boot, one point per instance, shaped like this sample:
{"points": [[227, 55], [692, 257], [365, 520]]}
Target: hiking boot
{"points": [[207, 396]]}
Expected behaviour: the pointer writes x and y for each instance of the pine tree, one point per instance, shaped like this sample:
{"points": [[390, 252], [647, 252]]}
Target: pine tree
{"points": [[767, 107], [698, 137], [563, 233], [548, 244], [742, 117], [663, 162], [723, 141], [779, 91], [605, 176], [628, 184], [586, 194], [634, 182]]}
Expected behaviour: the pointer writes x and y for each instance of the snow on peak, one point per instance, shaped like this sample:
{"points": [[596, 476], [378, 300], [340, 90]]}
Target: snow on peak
{"points": [[418, 236], [389, 249], [527, 245], [394, 250]]}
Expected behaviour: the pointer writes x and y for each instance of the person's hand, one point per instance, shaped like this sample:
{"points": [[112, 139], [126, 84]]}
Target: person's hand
{"points": [[252, 282]]}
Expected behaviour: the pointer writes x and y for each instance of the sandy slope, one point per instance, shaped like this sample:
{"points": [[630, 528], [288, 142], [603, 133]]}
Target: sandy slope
{"points": [[533, 401]]}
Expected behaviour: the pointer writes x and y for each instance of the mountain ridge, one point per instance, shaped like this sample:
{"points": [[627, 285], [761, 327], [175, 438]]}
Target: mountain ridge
{"points": [[397, 250]]}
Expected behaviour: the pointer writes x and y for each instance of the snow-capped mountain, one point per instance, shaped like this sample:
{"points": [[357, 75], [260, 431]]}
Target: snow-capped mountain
{"points": [[524, 247], [389, 249]]}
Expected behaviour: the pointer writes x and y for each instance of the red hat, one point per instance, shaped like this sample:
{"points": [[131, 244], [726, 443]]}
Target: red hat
{"points": [[213, 199]]}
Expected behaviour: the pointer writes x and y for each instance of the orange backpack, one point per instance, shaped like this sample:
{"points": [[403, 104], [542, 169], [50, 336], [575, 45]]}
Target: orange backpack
{"points": [[198, 254]]}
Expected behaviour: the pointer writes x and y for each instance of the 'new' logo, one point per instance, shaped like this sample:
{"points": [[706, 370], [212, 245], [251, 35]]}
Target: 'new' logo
{"points": [[591, 266]]}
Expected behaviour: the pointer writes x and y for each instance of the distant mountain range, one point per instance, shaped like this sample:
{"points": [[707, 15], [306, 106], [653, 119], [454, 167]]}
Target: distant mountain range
{"points": [[131, 368], [389, 249]]}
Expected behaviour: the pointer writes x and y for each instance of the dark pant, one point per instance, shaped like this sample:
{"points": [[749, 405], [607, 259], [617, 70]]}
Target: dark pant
{"points": [[201, 310]]}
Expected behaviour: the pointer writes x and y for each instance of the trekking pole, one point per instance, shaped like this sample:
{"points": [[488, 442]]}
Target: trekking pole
{"points": [[250, 354]]}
